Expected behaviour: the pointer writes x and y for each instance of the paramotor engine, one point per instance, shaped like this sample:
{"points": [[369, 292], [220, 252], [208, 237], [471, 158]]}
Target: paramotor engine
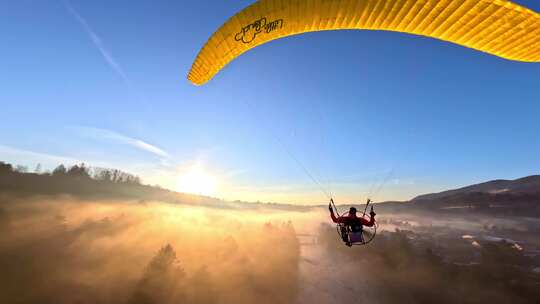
{"points": [[360, 237]]}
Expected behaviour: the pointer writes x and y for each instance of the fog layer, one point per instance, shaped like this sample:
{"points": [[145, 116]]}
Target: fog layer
{"points": [[60, 250], [65, 250]]}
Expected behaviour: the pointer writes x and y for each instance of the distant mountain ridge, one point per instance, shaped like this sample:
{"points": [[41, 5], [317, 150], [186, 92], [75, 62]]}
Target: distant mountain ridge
{"points": [[526, 185]]}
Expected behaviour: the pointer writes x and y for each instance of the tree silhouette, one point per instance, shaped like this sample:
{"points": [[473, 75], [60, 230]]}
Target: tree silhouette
{"points": [[79, 171], [5, 168], [59, 171]]}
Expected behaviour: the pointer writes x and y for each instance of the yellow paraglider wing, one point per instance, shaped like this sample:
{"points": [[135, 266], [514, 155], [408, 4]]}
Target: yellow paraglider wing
{"points": [[497, 27]]}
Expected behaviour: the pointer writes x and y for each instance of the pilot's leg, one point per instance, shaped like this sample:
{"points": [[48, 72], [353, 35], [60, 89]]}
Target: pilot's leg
{"points": [[345, 235]]}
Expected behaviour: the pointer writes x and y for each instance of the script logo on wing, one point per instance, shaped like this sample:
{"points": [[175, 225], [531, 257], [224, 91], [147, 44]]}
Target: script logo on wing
{"points": [[248, 33]]}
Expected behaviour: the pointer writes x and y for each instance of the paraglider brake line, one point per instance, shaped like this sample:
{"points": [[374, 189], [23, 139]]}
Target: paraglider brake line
{"points": [[334, 205], [365, 209]]}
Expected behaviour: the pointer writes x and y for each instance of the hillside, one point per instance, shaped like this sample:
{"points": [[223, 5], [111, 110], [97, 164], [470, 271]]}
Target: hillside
{"points": [[89, 183], [498, 197], [525, 185]]}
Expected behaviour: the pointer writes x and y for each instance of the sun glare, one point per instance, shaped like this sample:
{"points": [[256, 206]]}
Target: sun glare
{"points": [[196, 181]]}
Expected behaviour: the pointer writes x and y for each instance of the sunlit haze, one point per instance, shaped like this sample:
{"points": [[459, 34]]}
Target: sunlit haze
{"points": [[197, 181]]}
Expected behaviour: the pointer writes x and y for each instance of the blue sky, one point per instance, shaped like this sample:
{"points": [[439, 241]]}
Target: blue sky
{"points": [[105, 83]]}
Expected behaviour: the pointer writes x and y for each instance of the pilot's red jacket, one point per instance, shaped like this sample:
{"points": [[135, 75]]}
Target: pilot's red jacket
{"points": [[352, 220]]}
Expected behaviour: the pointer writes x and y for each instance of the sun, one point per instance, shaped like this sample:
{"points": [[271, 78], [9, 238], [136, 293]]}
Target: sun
{"points": [[197, 181]]}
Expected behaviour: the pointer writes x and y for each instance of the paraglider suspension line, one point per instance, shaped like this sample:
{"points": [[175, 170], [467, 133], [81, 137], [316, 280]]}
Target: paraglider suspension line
{"points": [[291, 155]]}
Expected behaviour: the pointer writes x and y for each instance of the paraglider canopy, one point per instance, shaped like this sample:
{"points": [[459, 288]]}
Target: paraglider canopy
{"points": [[498, 27]]}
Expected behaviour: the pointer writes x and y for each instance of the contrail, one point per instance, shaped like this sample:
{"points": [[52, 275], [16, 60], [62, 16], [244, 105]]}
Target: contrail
{"points": [[98, 42]]}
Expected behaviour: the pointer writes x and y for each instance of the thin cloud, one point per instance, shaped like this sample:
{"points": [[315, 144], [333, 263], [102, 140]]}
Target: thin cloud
{"points": [[12, 154], [122, 139], [146, 147], [237, 172], [98, 42]]}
